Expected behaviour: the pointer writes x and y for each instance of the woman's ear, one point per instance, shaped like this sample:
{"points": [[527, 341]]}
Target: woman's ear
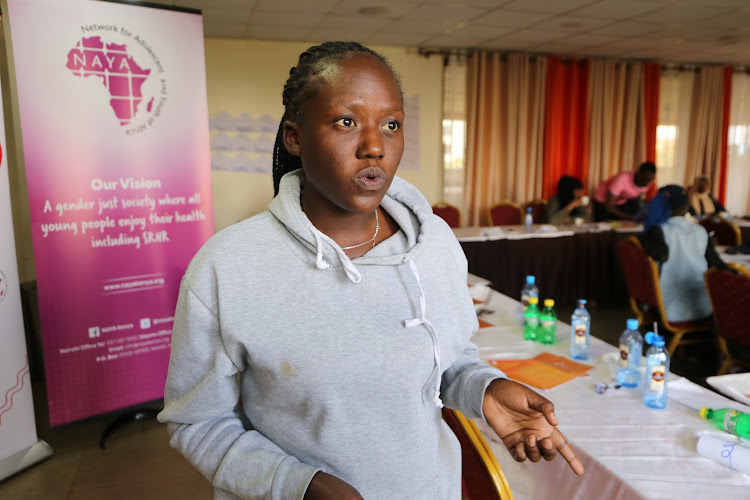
{"points": [[291, 137]]}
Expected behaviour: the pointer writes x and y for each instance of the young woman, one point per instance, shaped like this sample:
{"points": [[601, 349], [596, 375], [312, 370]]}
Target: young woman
{"points": [[315, 343], [568, 204]]}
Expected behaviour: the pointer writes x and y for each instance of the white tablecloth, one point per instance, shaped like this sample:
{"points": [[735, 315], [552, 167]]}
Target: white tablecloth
{"points": [[629, 451]]}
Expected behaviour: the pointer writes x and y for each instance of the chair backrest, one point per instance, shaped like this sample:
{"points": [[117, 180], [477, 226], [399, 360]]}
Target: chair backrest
{"points": [[505, 213], [538, 210], [730, 299], [641, 274], [725, 231], [481, 475], [449, 213]]}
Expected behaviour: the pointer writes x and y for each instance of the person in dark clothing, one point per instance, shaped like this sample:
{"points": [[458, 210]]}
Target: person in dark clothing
{"points": [[569, 203]]}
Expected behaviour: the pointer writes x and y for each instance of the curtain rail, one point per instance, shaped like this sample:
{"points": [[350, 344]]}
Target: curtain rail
{"points": [[445, 53]]}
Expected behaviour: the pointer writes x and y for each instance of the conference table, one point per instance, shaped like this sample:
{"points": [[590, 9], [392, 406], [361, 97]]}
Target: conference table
{"points": [[569, 262], [629, 451]]}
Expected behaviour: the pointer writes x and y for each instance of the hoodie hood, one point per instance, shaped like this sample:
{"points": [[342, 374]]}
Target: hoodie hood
{"points": [[411, 211]]}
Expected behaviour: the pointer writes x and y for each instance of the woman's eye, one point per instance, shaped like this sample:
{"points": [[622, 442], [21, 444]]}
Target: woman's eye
{"points": [[345, 122], [392, 126]]}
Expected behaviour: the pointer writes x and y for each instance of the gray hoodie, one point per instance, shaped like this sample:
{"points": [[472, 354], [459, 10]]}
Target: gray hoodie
{"points": [[289, 358]]}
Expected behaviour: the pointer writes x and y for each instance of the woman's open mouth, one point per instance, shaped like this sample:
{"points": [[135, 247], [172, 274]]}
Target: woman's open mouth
{"points": [[371, 178]]}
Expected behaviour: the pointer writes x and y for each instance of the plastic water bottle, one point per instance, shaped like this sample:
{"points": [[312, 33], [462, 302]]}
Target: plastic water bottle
{"points": [[657, 370], [547, 323], [729, 420], [580, 331], [528, 290], [528, 219], [631, 349], [531, 323]]}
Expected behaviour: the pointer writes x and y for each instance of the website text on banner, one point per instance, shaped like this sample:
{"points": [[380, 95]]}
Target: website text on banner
{"points": [[114, 123], [17, 425]]}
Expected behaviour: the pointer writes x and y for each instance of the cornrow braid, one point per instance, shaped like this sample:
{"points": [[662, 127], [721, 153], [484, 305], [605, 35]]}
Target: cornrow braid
{"points": [[304, 83]]}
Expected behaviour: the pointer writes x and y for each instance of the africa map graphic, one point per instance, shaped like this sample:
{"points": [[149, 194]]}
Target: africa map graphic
{"points": [[121, 75]]}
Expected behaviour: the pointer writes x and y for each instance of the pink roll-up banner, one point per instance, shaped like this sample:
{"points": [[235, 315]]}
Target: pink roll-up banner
{"points": [[19, 446], [114, 123]]}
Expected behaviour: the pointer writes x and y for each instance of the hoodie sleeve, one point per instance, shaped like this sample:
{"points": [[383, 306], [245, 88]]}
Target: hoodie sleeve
{"points": [[202, 412], [464, 382]]}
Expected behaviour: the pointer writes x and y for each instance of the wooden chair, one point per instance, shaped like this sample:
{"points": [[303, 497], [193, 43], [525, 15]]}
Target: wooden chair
{"points": [[481, 475], [644, 289], [725, 231], [505, 213], [730, 299], [449, 213], [538, 210]]}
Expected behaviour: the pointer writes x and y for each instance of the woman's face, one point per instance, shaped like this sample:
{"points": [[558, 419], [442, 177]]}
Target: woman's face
{"points": [[703, 186], [578, 193], [349, 135]]}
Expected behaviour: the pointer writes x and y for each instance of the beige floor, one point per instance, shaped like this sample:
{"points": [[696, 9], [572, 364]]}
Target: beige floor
{"points": [[137, 464]]}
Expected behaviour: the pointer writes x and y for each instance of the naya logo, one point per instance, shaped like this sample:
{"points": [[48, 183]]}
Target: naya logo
{"points": [[3, 286], [657, 375], [129, 70]]}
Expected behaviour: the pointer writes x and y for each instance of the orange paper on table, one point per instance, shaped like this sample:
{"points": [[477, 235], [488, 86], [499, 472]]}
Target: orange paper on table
{"points": [[544, 371], [484, 324]]}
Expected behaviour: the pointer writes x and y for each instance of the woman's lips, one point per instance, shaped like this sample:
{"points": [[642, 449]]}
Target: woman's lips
{"points": [[370, 179]]}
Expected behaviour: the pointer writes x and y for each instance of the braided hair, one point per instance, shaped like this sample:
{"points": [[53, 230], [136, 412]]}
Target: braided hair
{"points": [[304, 83]]}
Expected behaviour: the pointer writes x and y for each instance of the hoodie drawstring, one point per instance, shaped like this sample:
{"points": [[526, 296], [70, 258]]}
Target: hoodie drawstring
{"points": [[351, 270], [410, 323]]}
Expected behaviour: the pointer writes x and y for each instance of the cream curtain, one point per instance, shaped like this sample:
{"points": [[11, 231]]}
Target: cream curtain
{"points": [[505, 131], [617, 137], [738, 164], [454, 128], [675, 100], [704, 146]]}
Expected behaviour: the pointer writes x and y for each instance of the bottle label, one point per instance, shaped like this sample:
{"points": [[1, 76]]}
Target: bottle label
{"points": [[525, 301], [658, 378], [579, 328], [624, 352], [532, 322], [548, 324], [730, 421]]}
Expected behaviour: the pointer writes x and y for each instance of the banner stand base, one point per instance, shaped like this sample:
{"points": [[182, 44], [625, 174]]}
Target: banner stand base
{"points": [[24, 459], [124, 419]]}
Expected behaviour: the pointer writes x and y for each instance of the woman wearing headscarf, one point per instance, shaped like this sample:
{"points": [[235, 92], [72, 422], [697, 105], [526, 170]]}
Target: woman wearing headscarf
{"points": [[684, 252], [568, 204], [702, 202]]}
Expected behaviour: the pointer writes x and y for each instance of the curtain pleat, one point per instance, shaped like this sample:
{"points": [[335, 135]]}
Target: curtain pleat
{"points": [[704, 135], [505, 114], [721, 187], [617, 107], [566, 122]]}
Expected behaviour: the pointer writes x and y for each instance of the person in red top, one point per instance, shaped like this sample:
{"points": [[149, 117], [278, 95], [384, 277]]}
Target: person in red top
{"points": [[621, 197]]}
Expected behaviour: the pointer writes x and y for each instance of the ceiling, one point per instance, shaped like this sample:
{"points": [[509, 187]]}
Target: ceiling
{"points": [[697, 31]]}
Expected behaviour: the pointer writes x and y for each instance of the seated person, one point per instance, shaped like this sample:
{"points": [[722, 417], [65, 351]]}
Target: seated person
{"points": [[621, 197], [568, 204], [684, 252], [702, 203]]}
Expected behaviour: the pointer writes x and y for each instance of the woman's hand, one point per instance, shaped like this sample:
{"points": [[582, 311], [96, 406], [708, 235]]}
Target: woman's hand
{"points": [[577, 202], [327, 487], [526, 423]]}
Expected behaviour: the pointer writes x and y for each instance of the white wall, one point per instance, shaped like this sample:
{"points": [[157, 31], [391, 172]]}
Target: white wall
{"points": [[248, 76]]}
